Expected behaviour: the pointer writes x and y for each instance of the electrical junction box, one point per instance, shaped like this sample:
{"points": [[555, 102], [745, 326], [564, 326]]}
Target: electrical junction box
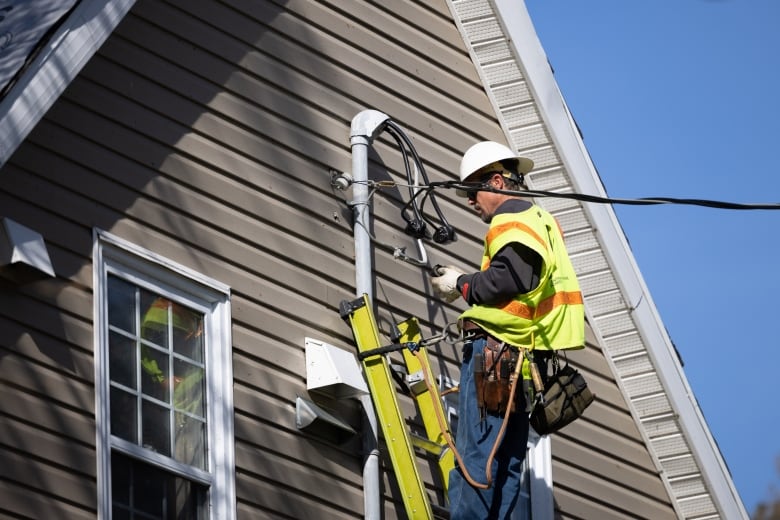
{"points": [[332, 371]]}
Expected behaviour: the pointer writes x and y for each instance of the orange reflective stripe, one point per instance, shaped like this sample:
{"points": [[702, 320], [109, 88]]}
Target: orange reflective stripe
{"points": [[519, 309], [501, 228], [522, 310], [561, 298]]}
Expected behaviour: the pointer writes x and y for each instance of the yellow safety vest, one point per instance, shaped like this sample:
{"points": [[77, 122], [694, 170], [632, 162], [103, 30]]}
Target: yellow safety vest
{"points": [[550, 317]]}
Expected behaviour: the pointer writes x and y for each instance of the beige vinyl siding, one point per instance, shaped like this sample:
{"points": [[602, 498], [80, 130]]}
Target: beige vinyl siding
{"points": [[204, 132]]}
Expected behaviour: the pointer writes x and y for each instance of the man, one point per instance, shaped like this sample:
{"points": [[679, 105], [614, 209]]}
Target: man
{"points": [[525, 296]]}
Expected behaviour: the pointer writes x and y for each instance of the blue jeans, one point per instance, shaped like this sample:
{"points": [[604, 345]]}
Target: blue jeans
{"points": [[474, 440]]}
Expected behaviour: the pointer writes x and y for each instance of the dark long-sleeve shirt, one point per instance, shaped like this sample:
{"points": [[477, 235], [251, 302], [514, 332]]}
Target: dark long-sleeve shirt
{"points": [[514, 270]]}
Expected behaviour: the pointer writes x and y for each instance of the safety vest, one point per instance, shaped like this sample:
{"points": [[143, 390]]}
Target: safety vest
{"points": [[550, 317]]}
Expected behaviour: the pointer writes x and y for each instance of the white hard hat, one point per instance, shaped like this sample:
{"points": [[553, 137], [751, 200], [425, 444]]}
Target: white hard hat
{"points": [[488, 152]]}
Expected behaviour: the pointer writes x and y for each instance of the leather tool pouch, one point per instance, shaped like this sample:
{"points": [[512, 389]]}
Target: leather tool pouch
{"points": [[494, 368]]}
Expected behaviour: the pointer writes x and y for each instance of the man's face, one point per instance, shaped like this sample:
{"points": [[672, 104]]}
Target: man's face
{"points": [[485, 202]]}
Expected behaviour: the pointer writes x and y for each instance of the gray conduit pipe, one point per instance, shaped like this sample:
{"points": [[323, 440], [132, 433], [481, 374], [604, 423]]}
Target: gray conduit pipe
{"points": [[366, 125]]}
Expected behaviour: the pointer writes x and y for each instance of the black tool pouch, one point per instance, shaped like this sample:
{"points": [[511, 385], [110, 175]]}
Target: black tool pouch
{"points": [[566, 396], [494, 368]]}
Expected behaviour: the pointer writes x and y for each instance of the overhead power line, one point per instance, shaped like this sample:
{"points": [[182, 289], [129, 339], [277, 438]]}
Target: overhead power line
{"points": [[643, 201], [648, 201]]}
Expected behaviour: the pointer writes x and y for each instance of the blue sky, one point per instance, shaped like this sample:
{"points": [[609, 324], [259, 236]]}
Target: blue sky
{"points": [[681, 98]]}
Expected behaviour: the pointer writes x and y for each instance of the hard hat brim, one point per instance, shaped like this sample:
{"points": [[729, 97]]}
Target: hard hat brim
{"points": [[523, 165]]}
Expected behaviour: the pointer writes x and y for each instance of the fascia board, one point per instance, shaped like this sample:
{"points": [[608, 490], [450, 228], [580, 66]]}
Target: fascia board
{"points": [[584, 177], [66, 53]]}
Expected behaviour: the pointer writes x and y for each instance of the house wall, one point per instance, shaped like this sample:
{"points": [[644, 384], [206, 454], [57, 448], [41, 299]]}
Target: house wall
{"points": [[205, 131]]}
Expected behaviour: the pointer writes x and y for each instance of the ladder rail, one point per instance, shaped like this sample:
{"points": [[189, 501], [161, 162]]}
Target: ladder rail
{"points": [[390, 417]]}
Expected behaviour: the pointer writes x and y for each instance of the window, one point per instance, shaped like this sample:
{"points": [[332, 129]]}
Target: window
{"points": [[163, 388]]}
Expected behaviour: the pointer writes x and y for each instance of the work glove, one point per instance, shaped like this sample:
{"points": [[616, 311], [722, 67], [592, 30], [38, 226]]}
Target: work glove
{"points": [[445, 282]]}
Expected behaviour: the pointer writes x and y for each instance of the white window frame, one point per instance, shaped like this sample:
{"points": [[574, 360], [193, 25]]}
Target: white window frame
{"points": [[113, 255]]}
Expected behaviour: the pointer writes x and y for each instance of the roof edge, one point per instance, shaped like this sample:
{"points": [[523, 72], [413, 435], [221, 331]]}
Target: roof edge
{"points": [[62, 58], [586, 179]]}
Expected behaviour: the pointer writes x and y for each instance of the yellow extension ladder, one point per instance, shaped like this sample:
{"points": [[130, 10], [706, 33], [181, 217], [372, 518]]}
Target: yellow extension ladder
{"points": [[401, 443]]}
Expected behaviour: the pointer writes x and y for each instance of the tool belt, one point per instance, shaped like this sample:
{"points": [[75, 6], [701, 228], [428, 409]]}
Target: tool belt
{"points": [[494, 370]]}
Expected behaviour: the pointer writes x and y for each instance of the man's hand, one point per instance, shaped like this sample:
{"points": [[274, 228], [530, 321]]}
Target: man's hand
{"points": [[445, 282]]}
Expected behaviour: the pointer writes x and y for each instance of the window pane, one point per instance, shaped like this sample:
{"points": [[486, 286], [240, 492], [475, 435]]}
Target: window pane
{"points": [[188, 333], [120, 513], [123, 415], [121, 359], [154, 318], [154, 375], [156, 427], [121, 479], [143, 491], [148, 490], [189, 388], [190, 441], [188, 396], [121, 304]]}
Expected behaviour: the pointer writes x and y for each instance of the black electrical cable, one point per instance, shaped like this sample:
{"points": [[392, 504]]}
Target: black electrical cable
{"points": [[444, 232], [414, 226], [644, 201]]}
